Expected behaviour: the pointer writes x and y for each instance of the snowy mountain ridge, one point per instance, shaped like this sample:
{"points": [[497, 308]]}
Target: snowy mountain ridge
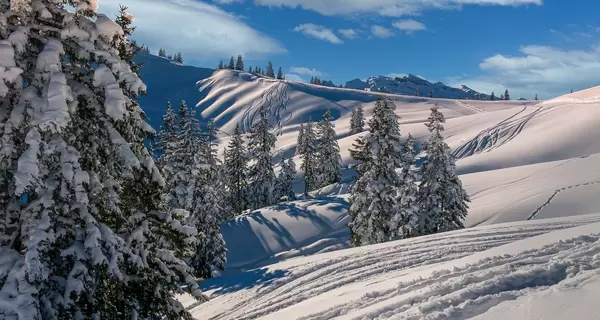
{"points": [[411, 85]]}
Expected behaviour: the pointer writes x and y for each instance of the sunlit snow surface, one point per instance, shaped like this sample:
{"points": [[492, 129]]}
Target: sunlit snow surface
{"points": [[532, 170]]}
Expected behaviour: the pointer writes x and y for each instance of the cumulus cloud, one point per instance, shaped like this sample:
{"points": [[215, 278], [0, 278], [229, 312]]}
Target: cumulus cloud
{"points": [[318, 32], [547, 71], [395, 8], [348, 33], [381, 32], [198, 30], [308, 72], [294, 77], [409, 26]]}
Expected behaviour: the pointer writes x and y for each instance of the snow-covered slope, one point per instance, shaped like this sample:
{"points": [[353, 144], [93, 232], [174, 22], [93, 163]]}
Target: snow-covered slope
{"points": [[479, 272], [168, 81], [409, 84]]}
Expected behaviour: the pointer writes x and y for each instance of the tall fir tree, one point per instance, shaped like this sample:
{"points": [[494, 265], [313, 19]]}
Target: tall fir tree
{"points": [[261, 175], [329, 163], [506, 95], [270, 71], [84, 231], [307, 150], [221, 66], [236, 170], [208, 207], [536, 97], [492, 96], [284, 188], [239, 64], [405, 224], [231, 64], [442, 199], [250, 70], [374, 199], [162, 53], [280, 74], [357, 120]]}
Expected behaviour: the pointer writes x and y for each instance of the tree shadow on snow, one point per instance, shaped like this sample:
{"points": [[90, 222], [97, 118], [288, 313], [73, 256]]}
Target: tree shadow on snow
{"points": [[233, 282]]}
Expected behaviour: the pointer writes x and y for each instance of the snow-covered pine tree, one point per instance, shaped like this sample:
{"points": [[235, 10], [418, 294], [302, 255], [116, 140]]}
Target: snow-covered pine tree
{"points": [[84, 232], [506, 95], [284, 188], [261, 175], [329, 160], [250, 70], [442, 199], [170, 57], [374, 199], [270, 71], [208, 205], [236, 171], [239, 64], [492, 96], [178, 58], [406, 219], [306, 148], [220, 66], [231, 64], [162, 53], [357, 120], [280, 74]]}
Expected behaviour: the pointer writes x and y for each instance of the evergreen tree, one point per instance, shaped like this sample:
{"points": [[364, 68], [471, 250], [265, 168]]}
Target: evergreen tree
{"points": [[84, 233], [506, 95], [502, 97], [209, 206], [306, 149], [270, 71], [231, 64], [571, 90], [329, 163], [442, 199], [250, 70], [261, 175], [284, 188], [162, 53], [357, 120], [236, 170], [492, 96], [221, 66], [536, 97], [170, 57], [280, 74], [239, 65], [312, 80], [178, 58], [405, 224], [431, 94], [374, 199], [416, 92]]}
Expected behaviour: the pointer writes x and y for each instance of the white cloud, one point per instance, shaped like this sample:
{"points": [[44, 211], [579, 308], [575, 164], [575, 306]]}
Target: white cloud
{"points": [[294, 77], [308, 72], [394, 8], [198, 30], [318, 32], [547, 71], [409, 26], [349, 33], [381, 32], [227, 1]]}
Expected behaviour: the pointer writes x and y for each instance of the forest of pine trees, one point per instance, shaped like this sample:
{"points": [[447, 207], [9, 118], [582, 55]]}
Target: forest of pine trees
{"points": [[387, 205], [238, 64]]}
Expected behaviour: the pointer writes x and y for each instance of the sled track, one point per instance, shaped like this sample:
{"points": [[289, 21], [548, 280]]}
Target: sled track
{"points": [[276, 100], [481, 285], [494, 137]]}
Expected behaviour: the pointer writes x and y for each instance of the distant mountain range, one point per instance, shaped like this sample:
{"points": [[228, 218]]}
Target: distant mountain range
{"points": [[414, 85]]}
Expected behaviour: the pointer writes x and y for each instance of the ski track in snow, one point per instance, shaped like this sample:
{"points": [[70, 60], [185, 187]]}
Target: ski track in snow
{"points": [[464, 105], [276, 99], [537, 211], [480, 286]]}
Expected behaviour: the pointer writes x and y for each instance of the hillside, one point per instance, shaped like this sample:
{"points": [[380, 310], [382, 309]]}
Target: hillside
{"points": [[531, 168]]}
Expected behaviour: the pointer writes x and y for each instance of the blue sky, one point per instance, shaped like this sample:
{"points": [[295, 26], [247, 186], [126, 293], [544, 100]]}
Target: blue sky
{"points": [[528, 46]]}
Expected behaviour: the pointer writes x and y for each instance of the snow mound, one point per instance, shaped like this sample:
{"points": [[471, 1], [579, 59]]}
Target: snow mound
{"points": [[455, 275]]}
